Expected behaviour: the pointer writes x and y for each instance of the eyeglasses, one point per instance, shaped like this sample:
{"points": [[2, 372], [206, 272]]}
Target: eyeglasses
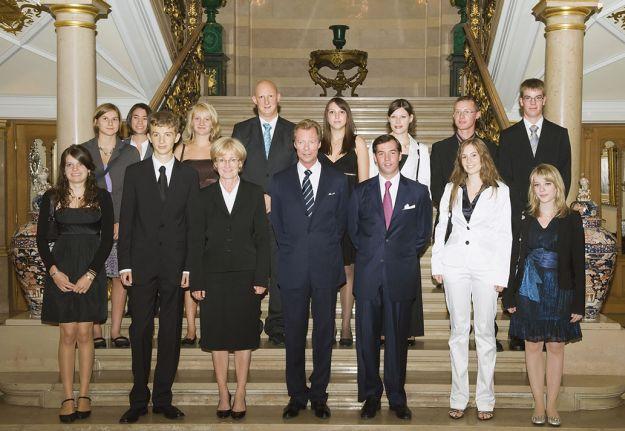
{"points": [[465, 113], [227, 161], [535, 99]]}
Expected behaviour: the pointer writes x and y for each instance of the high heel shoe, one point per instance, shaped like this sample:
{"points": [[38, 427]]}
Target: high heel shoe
{"points": [[70, 417], [84, 414], [222, 414], [239, 415]]}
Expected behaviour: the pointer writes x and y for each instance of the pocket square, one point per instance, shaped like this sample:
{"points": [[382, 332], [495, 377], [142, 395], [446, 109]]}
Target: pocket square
{"points": [[409, 207], [331, 193]]}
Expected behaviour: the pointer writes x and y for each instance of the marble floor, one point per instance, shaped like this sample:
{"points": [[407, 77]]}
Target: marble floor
{"points": [[269, 418]]}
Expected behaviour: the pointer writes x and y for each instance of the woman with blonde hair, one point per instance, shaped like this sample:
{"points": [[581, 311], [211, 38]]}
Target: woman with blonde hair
{"points": [[201, 129], [233, 272], [545, 293], [471, 256]]}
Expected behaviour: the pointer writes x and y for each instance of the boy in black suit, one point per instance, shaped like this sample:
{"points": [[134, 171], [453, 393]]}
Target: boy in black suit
{"points": [[155, 249]]}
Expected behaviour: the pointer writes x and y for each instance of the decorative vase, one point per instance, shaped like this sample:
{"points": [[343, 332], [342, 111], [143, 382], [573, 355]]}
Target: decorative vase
{"points": [[600, 252], [339, 31], [29, 268]]}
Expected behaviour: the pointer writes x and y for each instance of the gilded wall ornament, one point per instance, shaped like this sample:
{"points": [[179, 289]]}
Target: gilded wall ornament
{"points": [[618, 17], [15, 15]]}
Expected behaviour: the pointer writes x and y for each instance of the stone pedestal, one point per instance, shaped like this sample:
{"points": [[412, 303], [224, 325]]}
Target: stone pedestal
{"points": [[564, 56], [75, 23]]}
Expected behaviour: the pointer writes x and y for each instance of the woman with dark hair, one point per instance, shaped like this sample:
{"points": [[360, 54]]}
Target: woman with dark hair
{"points": [[111, 157], [75, 286], [471, 255], [137, 123], [545, 294], [348, 153], [201, 130]]}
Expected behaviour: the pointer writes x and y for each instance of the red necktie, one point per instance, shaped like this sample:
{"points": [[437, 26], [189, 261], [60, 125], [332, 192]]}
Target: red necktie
{"points": [[387, 204]]}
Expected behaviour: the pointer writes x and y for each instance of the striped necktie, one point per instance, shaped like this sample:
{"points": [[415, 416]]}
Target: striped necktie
{"points": [[307, 192], [534, 138]]}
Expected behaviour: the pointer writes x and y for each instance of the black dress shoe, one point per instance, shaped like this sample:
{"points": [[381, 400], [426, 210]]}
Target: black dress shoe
{"points": [[83, 414], [292, 409], [170, 412], [411, 341], [370, 408], [402, 412], [66, 419], [99, 343], [238, 415], [120, 342], [517, 345], [222, 414], [188, 342], [321, 409], [499, 346], [132, 415], [277, 339]]}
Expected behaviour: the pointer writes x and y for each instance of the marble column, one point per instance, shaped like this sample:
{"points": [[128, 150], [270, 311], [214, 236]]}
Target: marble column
{"points": [[564, 61], [75, 24]]}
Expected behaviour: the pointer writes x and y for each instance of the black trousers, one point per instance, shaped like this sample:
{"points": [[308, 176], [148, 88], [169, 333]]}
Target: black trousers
{"points": [[371, 316], [274, 323], [322, 303], [142, 300]]}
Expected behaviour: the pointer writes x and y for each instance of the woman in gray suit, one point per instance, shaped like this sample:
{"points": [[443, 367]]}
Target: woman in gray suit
{"points": [[111, 158]]}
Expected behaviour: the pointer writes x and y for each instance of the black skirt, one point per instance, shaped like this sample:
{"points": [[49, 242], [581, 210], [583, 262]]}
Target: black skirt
{"points": [[230, 312]]}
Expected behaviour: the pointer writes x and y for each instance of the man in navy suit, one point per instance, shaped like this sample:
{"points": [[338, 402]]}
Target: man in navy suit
{"points": [[389, 222], [308, 214]]}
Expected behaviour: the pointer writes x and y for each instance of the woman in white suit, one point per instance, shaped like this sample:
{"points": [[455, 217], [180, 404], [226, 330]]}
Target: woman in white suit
{"points": [[474, 264]]}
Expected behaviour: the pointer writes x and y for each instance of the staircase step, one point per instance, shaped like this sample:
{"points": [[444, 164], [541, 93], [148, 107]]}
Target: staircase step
{"points": [[267, 388]]}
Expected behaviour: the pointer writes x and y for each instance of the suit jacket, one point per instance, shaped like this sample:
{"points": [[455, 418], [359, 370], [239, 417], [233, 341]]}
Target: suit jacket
{"points": [[148, 151], [122, 157], [516, 160], [309, 248], [571, 261], [442, 161], [389, 258], [258, 168], [237, 241], [158, 239], [484, 243]]}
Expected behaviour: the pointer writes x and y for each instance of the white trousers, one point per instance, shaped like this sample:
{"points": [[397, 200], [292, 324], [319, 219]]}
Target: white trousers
{"points": [[464, 286]]}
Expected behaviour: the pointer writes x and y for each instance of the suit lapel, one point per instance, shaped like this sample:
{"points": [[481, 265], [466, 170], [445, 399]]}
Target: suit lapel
{"points": [[276, 137], [152, 182], [322, 188], [296, 188], [257, 135], [239, 199], [524, 140], [400, 200], [543, 140], [173, 181], [377, 198]]}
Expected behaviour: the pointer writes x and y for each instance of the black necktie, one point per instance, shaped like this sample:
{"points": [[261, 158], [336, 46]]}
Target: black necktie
{"points": [[162, 183]]}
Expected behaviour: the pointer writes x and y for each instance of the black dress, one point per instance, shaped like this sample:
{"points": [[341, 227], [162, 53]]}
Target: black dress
{"points": [[84, 242], [348, 164], [543, 310]]}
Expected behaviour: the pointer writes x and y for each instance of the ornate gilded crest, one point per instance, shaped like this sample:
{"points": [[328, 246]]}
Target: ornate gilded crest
{"points": [[15, 15]]}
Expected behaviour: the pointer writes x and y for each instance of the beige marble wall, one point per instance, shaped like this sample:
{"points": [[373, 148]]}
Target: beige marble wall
{"points": [[4, 257], [407, 43]]}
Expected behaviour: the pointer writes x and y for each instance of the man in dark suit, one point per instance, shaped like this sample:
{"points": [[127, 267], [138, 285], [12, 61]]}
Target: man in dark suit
{"points": [[530, 142], [390, 223], [444, 154], [268, 140], [308, 214], [522, 147], [156, 248], [465, 116]]}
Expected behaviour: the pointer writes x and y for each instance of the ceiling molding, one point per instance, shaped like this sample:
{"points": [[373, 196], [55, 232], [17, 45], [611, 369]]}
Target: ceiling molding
{"points": [[24, 38], [44, 107], [137, 87]]}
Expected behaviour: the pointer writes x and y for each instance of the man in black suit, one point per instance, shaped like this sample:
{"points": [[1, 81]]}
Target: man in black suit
{"points": [[308, 214], [268, 140], [522, 147], [530, 142], [444, 153], [156, 248], [390, 223], [465, 116]]}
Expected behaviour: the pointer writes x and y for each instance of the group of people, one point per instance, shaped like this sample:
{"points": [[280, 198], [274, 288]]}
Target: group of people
{"points": [[301, 212]]}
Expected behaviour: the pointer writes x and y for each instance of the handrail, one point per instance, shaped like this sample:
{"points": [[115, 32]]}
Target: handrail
{"points": [[491, 91], [175, 68]]}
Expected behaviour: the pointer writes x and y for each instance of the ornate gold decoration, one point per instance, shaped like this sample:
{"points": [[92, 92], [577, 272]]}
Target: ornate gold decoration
{"points": [[475, 78], [618, 17], [184, 17], [211, 82], [74, 23], [341, 61], [17, 14]]}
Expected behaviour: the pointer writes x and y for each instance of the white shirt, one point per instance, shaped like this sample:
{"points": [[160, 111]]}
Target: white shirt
{"points": [[393, 190], [230, 197], [272, 123], [314, 176], [539, 123], [169, 166], [144, 147]]}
